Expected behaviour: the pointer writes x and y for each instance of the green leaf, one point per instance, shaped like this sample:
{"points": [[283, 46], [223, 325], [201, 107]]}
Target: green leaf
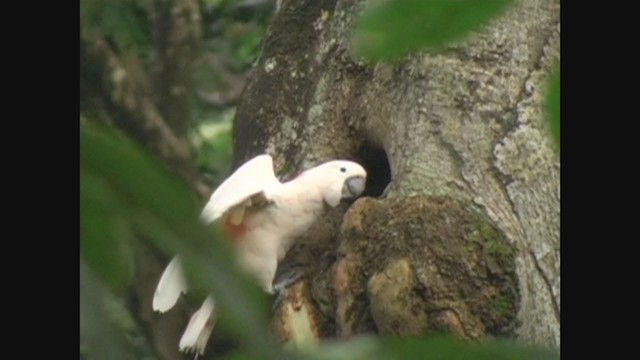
{"points": [[211, 142], [99, 338], [104, 234], [553, 105], [213, 2], [389, 29], [139, 182], [434, 347], [124, 21], [449, 348], [361, 348], [124, 188], [247, 48]]}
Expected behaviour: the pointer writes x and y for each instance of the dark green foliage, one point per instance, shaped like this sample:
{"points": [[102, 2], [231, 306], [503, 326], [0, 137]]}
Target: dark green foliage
{"points": [[125, 191], [233, 36], [553, 105], [430, 348], [211, 143], [443, 347], [123, 22], [100, 337], [390, 29], [104, 234]]}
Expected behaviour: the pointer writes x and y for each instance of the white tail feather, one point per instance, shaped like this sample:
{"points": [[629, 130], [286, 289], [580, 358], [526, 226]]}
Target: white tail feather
{"points": [[171, 285], [199, 330]]}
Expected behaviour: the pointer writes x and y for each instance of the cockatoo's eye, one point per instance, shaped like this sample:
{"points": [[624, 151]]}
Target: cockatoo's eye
{"points": [[343, 169]]}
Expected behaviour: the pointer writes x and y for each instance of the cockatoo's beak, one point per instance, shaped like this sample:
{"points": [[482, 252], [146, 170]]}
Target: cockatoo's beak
{"points": [[353, 187]]}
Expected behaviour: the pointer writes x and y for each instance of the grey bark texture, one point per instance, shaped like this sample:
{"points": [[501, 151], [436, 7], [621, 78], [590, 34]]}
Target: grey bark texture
{"points": [[466, 238]]}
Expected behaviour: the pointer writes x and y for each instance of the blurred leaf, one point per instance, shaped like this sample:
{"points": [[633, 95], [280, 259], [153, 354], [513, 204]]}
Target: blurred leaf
{"points": [[247, 48], [99, 337], [358, 348], [553, 105], [389, 29], [449, 348], [211, 142], [137, 181], [124, 21], [213, 2], [119, 181], [104, 234], [434, 347]]}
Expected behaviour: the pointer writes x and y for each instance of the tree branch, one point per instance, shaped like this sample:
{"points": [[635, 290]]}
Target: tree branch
{"points": [[177, 37], [115, 91]]}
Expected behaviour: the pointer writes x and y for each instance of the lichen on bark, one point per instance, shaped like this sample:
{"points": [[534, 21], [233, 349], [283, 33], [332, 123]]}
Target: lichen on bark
{"points": [[463, 132], [425, 264]]}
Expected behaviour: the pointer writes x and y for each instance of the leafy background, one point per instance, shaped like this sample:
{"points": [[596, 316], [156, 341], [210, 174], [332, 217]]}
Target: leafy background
{"points": [[130, 195]]}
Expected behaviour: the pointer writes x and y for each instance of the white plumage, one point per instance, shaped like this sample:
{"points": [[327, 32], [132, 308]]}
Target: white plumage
{"points": [[264, 216], [199, 329], [251, 178], [171, 285]]}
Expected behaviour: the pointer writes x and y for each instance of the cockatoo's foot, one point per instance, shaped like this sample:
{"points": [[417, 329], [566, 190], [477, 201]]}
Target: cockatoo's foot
{"points": [[284, 282]]}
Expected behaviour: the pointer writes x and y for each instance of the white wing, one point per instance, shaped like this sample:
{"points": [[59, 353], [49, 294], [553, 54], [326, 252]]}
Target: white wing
{"points": [[251, 178], [171, 285], [198, 331]]}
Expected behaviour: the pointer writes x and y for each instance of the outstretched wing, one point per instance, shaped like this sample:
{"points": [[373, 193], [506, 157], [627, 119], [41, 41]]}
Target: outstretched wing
{"points": [[252, 178], [244, 188], [171, 285]]}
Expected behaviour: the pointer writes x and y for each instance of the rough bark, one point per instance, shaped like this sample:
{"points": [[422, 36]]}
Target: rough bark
{"points": [[466, 237], [423, 264]]}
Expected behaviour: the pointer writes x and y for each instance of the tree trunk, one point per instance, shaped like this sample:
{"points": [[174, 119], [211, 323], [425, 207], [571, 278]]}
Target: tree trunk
{"points": [[465, 236]]}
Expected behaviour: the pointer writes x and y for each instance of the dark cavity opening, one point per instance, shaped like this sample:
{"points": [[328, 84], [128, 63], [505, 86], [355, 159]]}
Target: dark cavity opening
{"points": [[374, 159]]}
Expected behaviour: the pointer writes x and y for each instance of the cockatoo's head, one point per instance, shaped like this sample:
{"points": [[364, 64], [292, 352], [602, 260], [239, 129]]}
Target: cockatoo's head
{"points": [[338, 179]]}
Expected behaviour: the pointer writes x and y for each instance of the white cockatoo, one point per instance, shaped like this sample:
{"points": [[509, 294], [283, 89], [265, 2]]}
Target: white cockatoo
{"points": [[263, 216]]}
